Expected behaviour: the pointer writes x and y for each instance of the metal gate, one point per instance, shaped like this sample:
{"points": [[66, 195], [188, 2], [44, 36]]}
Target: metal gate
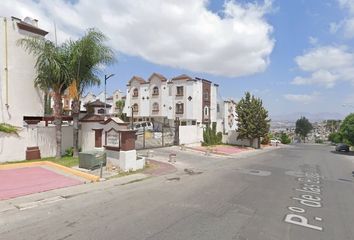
{"points": [[163, 135]]}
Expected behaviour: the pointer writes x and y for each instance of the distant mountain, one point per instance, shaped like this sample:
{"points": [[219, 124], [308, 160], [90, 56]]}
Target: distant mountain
{"points": [[313, 117]]}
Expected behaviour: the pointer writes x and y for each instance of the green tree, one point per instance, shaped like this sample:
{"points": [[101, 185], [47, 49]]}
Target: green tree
{"points": [[335, 137], [347, 129], [120, 106], [210, 136], [52, 75], [332, 125], [284, 138], [303, 127], [252, 118], [87, 56]]}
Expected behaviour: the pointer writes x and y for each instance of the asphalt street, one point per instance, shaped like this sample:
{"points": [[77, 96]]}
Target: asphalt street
{"points": [[297, 192]]}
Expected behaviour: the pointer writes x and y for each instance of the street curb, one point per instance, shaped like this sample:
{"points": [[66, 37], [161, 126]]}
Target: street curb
{"points": [[87, 176]]}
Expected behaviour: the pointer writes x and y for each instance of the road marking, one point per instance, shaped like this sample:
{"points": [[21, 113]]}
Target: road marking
{"points": [[24, 206], [310, 191]]}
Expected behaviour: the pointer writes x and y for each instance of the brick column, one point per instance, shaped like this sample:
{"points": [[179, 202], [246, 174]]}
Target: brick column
{"points": [[127, 140]]}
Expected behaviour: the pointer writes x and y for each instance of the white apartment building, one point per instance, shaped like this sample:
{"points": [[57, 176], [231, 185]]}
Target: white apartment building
{"points": [[18, 96], [192, 100], [110, 100]]}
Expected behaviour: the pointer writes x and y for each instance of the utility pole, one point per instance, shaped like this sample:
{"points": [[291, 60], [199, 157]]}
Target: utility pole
{"points": [[106, 77]]}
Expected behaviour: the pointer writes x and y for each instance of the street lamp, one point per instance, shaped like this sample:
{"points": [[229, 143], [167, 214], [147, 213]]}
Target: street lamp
{"points": [[106, 77]]}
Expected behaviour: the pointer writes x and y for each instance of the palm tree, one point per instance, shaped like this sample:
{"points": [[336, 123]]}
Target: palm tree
{"points": [[52, 75], [87, 56], [120, 106]]}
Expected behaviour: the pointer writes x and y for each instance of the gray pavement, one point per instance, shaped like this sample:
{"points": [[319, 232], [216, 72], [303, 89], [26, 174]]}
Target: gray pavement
{"points": [[298, 192]]}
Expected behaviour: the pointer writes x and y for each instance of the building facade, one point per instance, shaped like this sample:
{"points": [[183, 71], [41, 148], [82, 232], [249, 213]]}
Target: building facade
{"points": [[18, 95], [191, 100]]}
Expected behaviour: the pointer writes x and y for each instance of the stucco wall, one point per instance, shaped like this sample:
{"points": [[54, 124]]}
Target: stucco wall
{"points": [[13, 148], [190, 134], [231, 138]]}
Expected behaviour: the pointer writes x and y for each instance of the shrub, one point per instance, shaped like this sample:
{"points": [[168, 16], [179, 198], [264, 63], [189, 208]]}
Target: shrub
{"points": [[318, 141], [69, 152], [210, 137], [284, 138], [8, 128], [219, 137]]}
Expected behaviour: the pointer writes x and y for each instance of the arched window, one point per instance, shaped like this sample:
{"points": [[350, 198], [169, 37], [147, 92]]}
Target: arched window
{"points": [[155, 107], [155, 91], [206, 111], [135, 92], [135, 108], [100, 111]]}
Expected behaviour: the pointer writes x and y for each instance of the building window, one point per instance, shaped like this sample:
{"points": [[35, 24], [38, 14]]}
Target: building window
{"points": [[183, 123], [206, 111], [206, 96], [179, 108], [194, 122], [155, 91], [179, 91], [100, 111], [155, 107], [135, 108], [135, 92]]}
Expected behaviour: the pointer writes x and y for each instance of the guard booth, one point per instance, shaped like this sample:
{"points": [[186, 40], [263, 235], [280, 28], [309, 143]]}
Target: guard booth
{"points": [[116, 140], [120, 147]]}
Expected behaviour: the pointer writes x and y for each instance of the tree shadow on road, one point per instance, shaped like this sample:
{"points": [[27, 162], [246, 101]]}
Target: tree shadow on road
{"points": [[343, 153]]}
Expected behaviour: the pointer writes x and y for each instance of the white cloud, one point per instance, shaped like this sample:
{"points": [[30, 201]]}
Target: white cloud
{"points": [[183, 34], [326, 66], [346, 24], [302, 98], [313, 40]]}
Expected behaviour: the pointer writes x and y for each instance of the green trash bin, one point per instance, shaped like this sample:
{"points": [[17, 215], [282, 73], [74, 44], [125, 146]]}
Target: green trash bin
{"points": [[91, 159]]}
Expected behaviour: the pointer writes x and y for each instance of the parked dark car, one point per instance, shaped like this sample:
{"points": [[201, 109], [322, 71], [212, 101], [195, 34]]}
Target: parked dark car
{"points": [[342, 147]]}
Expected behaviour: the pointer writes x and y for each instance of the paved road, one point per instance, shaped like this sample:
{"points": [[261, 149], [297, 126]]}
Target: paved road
{"points": [[300, 192]]}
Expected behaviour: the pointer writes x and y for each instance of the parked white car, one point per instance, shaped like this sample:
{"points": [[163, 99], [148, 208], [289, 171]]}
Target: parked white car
{"points": [[274, 141], [139, 126]]}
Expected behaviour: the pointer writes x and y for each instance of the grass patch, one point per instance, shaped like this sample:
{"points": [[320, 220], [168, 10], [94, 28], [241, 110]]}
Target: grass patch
{"points": [[64, 161]]}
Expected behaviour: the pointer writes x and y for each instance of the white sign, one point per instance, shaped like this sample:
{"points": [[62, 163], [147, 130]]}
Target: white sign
{"points": [[113, 139]]}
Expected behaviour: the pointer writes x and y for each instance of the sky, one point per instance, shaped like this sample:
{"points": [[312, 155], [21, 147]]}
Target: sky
{"points": [[297, 56]]}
